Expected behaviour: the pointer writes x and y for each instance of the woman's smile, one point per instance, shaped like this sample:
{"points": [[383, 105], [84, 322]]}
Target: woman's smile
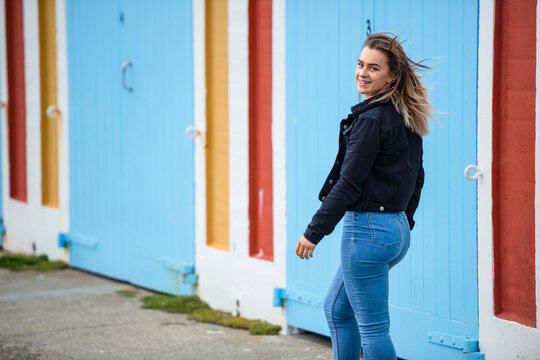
{"points": [[372, 72]]}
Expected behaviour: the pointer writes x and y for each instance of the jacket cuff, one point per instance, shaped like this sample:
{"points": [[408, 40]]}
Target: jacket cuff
{"points": [[312, 237]]}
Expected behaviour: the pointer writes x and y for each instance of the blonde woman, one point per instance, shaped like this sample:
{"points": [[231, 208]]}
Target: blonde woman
{"points": [[375, 187]]}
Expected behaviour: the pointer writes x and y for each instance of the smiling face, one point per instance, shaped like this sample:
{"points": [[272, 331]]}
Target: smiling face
{"points": [[372, 73]]}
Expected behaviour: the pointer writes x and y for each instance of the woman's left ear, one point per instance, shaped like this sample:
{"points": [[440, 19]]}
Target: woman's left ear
{"points": [[391, 78]]}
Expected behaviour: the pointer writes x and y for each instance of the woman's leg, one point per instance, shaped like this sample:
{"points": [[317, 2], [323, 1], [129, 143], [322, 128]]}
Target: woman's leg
{"points": [[377, 240], [341, 321]]}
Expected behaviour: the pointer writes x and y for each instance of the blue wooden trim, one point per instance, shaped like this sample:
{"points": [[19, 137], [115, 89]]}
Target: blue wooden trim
{"points": [[474, 356], [65, 240], [299, 296], [186, 270], [457, 342], [2, 232]]}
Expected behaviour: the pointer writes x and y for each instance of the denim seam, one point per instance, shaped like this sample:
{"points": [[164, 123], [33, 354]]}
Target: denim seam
{"points": [[332, 315], [350, 267]]}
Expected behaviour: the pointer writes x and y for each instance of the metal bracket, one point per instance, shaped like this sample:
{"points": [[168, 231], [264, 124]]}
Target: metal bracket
{"points": [[457, 342], [76, 239], [299, 296], [186, 270]]}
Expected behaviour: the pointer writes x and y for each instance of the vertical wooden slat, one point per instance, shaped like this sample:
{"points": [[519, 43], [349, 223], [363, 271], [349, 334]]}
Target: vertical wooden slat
{"points": [[514, 95], [260, 130], [16, 99], [49, 126], [217, 124]]}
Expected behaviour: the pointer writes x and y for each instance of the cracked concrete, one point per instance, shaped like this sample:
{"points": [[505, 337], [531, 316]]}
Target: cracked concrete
{"points": [[70, 314]]}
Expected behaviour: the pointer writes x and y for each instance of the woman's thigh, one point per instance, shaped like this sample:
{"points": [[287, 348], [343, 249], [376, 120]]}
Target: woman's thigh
{"points": [[370, 242]]}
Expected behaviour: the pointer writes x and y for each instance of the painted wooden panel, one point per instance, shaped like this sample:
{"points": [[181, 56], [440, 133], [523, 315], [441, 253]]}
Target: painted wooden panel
{"points": [[16, 100], [261, 234], [514, 131], [131, 166], [435, 287], [95, 136], [217, 124], [158, 168], [49, 126]]}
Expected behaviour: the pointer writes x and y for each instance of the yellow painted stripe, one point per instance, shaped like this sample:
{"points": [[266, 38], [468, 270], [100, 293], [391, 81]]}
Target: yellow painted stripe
{"points": [[217, 124], [49, 127]]}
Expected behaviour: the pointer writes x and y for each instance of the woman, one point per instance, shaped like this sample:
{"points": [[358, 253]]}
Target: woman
{"points": [[375, 186]]}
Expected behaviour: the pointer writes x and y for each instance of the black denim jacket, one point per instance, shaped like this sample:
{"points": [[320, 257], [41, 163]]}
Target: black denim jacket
{"points": [[378, 168]]}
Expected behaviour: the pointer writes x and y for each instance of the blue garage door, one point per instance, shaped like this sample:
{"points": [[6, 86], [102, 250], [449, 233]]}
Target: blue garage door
{"points": [[131, 166], [434, 300]]}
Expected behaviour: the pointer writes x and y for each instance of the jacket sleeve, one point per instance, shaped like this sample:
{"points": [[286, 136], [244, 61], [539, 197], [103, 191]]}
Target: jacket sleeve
{"points": [[362, 149], [415, 198]]}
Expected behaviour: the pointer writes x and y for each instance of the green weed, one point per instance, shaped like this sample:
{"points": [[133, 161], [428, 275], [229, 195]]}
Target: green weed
{"points": [[174, 304], [16, 262]]}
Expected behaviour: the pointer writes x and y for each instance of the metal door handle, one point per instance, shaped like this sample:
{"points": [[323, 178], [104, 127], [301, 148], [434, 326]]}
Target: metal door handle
{"points": [[477, 174], [124, 67]]}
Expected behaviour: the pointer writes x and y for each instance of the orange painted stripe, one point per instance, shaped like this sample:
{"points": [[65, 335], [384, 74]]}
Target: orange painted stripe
{"points": [[514, 95], [49, 127], [261, 233], [16, 111], [217, 124]]}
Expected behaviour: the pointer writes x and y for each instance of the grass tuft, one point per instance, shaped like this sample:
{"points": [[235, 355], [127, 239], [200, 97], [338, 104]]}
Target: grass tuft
{"points": [[207, 316], [264, 328], [127, 292], [174, 304], [237, 322], [16, 262]]}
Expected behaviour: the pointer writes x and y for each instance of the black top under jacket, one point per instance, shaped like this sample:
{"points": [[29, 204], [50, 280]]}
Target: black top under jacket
{"points": [[378, 168]]}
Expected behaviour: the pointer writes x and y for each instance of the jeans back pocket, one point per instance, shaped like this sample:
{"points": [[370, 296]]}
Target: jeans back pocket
{"points": [[385, 229]]}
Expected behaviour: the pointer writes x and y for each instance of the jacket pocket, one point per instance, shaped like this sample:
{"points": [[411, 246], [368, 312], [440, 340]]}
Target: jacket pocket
{"points": [[385, 229]]}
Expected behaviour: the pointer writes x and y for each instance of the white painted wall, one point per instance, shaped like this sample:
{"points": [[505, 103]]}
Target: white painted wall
{"points": [[499, 338], [30, 222], [233, 281]]}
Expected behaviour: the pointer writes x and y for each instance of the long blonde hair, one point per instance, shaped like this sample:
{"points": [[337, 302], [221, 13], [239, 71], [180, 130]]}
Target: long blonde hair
{"points": [[407, 93]]}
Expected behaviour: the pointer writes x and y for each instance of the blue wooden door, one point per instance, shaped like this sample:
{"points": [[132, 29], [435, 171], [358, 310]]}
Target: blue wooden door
{"points": [[158, 161], [433, 299], [95, 137], [131, 166]]}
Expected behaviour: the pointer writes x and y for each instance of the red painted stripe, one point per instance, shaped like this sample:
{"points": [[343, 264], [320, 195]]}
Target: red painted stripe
{"points": [[16, 99], [260, 130], [514, 94]]}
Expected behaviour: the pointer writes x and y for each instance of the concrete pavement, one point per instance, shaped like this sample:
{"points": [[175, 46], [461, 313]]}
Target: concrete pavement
{"points": [[70, 314]]}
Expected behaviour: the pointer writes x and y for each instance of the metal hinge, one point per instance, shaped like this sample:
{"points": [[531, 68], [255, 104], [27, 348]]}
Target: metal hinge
{"points": [[469, 346], [186, 270], [299, 296], [76, 239]]}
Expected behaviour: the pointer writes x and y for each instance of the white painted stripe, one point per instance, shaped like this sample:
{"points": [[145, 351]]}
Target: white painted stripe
{"points": [[63, 125], [279, 148], [238, 127], [485, 156], [199, 114]]}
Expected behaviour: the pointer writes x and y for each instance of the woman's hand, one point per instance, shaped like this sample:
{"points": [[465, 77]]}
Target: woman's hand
{"points": [[305, 248]]}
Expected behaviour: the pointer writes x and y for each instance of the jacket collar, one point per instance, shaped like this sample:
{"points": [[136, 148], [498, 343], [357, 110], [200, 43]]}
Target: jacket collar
{"points": [[367, 104]]}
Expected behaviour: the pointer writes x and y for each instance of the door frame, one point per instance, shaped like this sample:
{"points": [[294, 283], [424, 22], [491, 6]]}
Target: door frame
{"points": [[519, 338]]}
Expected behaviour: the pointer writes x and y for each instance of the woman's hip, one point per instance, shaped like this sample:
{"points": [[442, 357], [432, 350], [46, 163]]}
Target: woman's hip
{"points": [[372, 236]]}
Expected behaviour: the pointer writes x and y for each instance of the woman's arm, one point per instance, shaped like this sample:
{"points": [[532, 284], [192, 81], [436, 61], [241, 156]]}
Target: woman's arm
{"points": [[415, 198], [362, 149]]}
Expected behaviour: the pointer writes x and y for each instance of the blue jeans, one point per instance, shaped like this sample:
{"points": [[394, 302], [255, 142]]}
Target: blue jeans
{"points": [[356, 305]]}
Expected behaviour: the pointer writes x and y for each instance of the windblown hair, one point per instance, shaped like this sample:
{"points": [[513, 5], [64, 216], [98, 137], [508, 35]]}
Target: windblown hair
{"points": [[407, 93]]}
